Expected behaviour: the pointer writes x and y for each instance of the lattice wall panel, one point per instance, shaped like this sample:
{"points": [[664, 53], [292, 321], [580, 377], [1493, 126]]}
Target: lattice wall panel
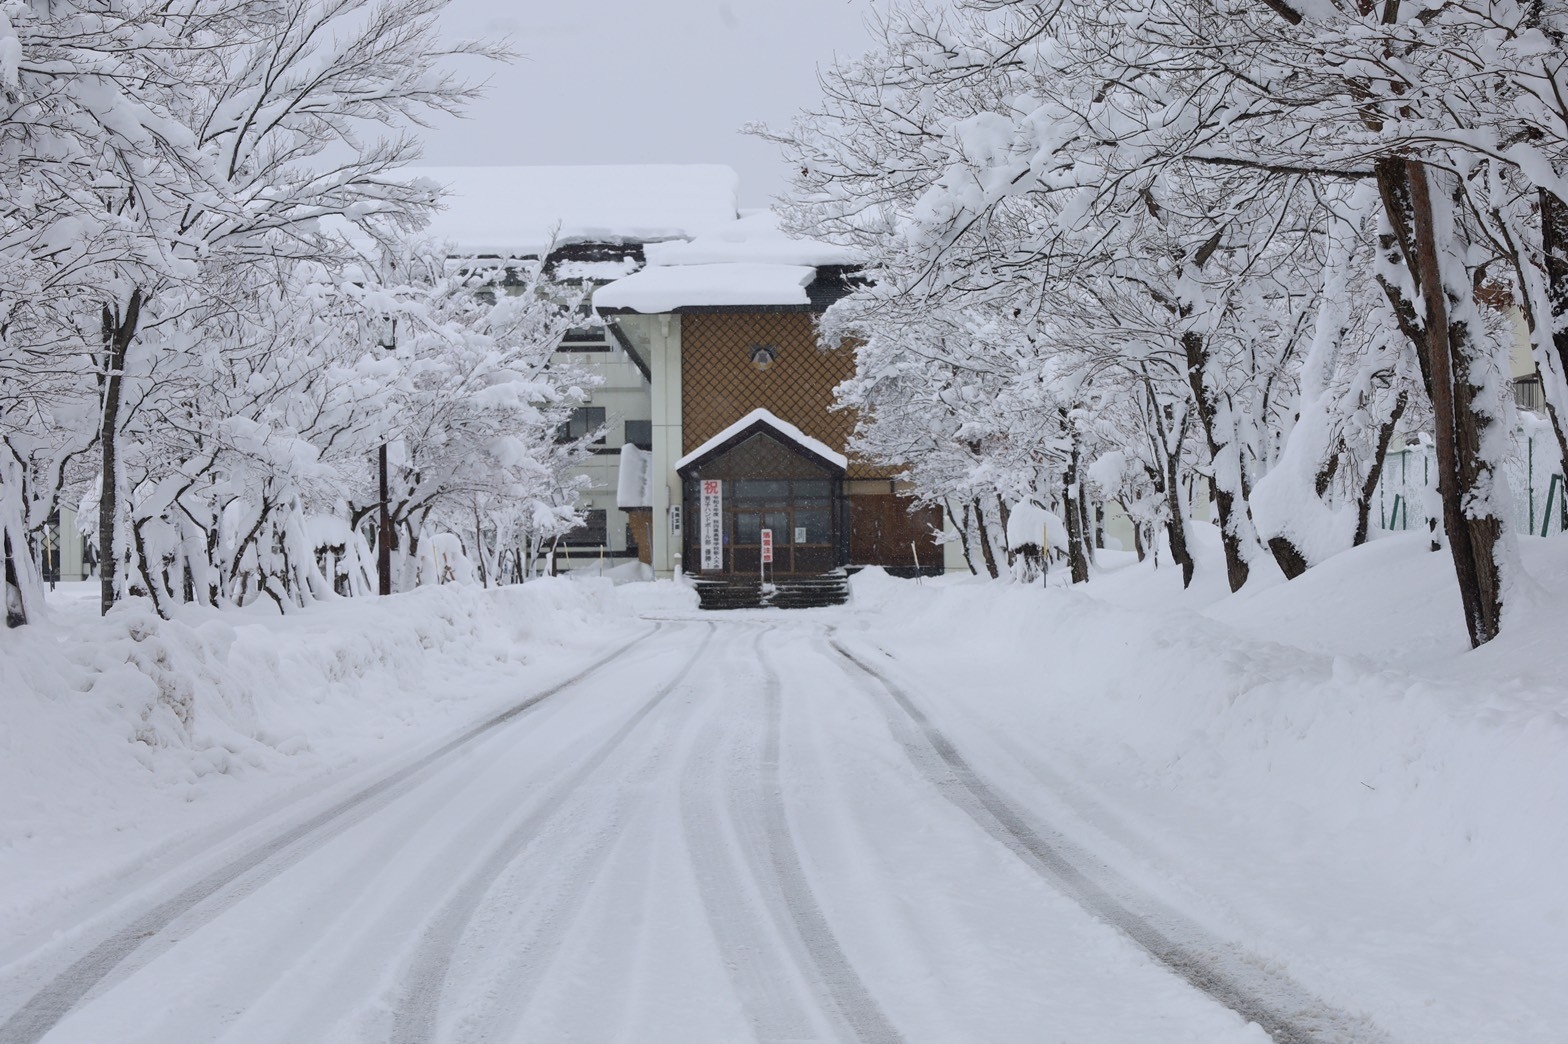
{"points": [[720, 382]]}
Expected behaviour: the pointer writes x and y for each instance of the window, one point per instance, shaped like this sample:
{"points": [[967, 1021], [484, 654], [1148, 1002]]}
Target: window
{"points": [[1530, 394], [762, 355], [640, 434], [591, 337], [585, 420], [592, 532], [584, 339]]}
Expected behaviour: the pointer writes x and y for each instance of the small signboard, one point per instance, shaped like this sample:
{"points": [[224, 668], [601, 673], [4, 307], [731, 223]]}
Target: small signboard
{"points": [[800, 534], [675, 519], [712, 523], [767, 545]]}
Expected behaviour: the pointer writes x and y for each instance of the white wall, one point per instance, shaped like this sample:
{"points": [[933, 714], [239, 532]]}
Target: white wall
{"points": [[624, 394]]}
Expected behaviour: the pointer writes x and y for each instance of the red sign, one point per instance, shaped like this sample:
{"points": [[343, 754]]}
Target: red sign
{"points": [[767, 545]]}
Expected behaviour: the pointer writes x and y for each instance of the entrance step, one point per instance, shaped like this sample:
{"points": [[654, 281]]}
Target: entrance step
{"points": [[729, 593], [800, 592]]}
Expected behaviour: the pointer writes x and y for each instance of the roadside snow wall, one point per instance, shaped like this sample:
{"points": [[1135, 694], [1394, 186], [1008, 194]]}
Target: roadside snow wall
{"points": [[129, 730]]}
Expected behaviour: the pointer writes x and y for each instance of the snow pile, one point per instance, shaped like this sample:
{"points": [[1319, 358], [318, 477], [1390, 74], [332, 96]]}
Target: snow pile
{"points": [[659, 598], [1379, 805], [634, 485], [1031, 524], [512, 211], [122, 732]]}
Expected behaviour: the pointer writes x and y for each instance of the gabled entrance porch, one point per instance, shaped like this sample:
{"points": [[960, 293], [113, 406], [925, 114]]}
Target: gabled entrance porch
{"points": [[762, 475]]}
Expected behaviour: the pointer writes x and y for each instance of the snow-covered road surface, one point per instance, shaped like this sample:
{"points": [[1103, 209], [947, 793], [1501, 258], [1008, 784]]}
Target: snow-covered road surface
{"points": [[740, 827]]}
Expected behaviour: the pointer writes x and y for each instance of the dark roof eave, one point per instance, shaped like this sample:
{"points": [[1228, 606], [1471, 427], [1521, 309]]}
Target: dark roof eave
{"points": [[631, 351], [832, 284], [712, 309]]}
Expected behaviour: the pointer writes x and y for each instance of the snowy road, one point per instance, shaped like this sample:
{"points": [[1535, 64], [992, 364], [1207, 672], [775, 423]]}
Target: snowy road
{"points": [[739, 827]]}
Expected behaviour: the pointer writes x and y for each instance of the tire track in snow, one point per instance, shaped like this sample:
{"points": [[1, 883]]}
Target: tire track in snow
{"points": [[548, 910], [757, 815], [257, 865], [729, 897], [415, 1018], [1286, 1011], [855, 1003]]}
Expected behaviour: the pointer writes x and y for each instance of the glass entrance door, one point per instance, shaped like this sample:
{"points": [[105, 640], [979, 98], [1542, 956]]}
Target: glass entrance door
{"points": [[798, 511]]}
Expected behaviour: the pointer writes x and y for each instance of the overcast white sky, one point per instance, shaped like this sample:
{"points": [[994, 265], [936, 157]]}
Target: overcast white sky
{"points": [[646, 81]]}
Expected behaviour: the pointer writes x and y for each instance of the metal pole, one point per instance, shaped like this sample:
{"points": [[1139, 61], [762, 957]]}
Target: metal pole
{"points": [[384, 530], [1529, 482]]}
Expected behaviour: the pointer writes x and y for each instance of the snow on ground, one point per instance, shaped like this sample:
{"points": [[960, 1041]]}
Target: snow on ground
{"points": [[122, 735], [1322, 767], [734, 832]]}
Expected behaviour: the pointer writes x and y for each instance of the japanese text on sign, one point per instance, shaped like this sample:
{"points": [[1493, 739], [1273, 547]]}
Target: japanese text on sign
{"points": [[712, 523], [767, 545]]}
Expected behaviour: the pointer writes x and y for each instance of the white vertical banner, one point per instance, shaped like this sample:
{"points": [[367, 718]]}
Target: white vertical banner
{"points": [[712, 523]]}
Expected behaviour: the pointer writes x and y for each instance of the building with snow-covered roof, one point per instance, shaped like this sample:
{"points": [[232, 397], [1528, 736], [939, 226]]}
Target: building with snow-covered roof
{"points": [[590, 223], [749, 457], [713, 375]]}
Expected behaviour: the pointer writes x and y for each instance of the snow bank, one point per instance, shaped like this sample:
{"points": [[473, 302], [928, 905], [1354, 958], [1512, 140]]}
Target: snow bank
{"points": [[121, 734], [1329, 748]]}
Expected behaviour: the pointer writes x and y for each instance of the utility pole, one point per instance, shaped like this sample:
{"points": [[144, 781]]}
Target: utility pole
{"points": [[384, 529]]}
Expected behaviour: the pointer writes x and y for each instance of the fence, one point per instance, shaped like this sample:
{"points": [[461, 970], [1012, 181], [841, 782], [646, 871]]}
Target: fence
{"points": [[1407, 493]]}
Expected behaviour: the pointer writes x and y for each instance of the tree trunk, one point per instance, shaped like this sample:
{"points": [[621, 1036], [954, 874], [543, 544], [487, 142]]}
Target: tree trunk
{"points": [[1463, 472], [1004, 515], [1169, 454], [383, 526], [985, 541], [1072, 512], [1225, 498], [1086, 524], [118, 332], [15, 604], [1385, 436]]}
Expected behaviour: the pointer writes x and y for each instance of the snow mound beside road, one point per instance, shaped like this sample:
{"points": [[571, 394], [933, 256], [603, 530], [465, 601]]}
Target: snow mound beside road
{"points": [[123, 731], [1380, 805]]}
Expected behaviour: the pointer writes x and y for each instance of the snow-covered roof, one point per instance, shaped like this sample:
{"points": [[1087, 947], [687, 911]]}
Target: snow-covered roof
{"points": [[666, 288], [513, 211], [748, 261], [755, 237], [783, 428], [634, 486], [599, 271]]}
